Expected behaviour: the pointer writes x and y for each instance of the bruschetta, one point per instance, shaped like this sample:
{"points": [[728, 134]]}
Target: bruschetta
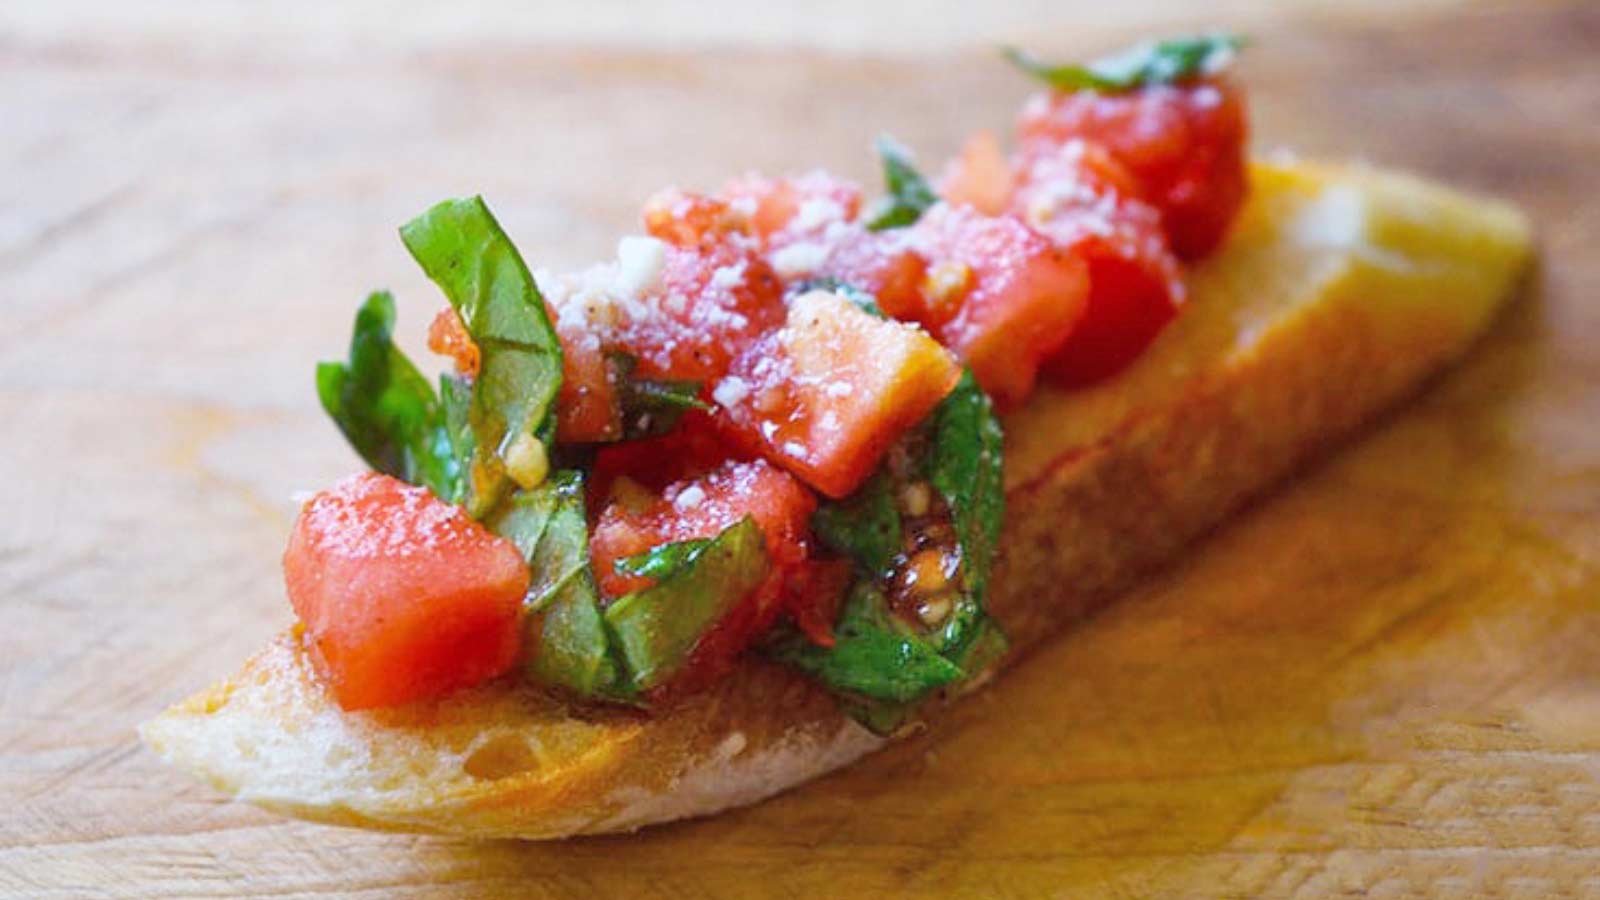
{"points": [[689, 528]]}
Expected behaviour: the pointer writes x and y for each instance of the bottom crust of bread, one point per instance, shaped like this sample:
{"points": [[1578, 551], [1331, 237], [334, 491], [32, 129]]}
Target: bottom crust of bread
{"points": [[1339, 292]]}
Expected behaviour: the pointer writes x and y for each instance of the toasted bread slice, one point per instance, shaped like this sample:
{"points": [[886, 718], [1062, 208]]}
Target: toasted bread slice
{"points": [[1339, 291]]}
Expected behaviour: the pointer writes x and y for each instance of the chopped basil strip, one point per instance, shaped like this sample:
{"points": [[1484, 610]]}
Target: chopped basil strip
{"points": [[455, 403], [864, 526], [572, 648], [657, 628], [651, 406], [966, 466], [643, 394], [1144, 64], [910, 195], [875, 654], [384, 406], [663, 561], [462, 248]]}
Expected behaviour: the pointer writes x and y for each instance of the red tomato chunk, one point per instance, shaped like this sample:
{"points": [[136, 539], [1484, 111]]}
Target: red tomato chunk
{"points": [[1185, 143], [998, 294], [825, 396], [1086, 203], [402, 595]]}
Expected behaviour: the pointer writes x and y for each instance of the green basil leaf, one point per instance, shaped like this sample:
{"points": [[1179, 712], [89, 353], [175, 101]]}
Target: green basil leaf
{"points": [[966, 460], [910, 195], [1144, 64], [662, 396], [875, 654], [651, 407], [664, 561], [657, 628], [864, 526], [462, 248], [570, 645], [455, 407], [383, 405], [965, 463]]}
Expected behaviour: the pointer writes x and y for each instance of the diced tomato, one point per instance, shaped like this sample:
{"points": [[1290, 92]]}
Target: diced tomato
{"points": [[1185, 143], [883, 264], [825, 396], [687, 220], [703, 506], [980, 177], [998, 294], [1082, 199], [448, 337], [784, 210], [588, 409], [696, 446], [813, 595], [403, 596], [711, 303]]}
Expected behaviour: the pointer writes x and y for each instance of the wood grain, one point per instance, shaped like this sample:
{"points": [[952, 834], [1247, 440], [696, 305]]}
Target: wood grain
{"points": [[1385, 681]]}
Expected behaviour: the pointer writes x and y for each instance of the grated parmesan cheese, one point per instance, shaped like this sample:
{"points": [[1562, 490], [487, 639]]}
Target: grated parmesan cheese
{"points": [[689, 498], [800, 259], [730, 391], [815, 213], [639, 264], [730, 276]]}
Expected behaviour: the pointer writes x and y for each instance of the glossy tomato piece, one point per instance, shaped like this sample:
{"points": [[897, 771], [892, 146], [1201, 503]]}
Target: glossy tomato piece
{"points": [[448, 337], [997, 293], [686, 219], [696, 446], [781, 211], [980, 177], [1184, 143], [588, 408], [881, 263], [403, 596], [825, 396], [709, 305], [1077, 195]]}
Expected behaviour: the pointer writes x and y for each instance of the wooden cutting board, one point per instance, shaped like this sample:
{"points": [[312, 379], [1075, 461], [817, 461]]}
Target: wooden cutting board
{"points": [[1382, 681]]}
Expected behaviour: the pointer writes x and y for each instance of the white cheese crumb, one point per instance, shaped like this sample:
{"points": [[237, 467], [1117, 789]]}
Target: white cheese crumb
{"points": [[796, 260], [730, 391], [840, 389], [728, 276], [815, 213], [794, 448], [639, 264], [689, 498]]}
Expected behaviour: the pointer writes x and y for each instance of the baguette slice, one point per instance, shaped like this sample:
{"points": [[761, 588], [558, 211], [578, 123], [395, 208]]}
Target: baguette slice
{"points": [[1340, 290]]}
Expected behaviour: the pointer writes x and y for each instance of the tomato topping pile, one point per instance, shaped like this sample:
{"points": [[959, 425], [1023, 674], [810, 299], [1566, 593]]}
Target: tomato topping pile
{"points": [[402, 595], [767, 354]]}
